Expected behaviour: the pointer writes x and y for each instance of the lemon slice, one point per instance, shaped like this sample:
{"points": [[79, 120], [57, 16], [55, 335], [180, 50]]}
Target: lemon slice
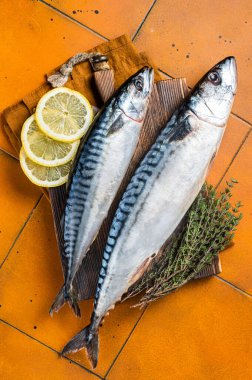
{"points": [[64, 114], [42, 149], [42, 175]]}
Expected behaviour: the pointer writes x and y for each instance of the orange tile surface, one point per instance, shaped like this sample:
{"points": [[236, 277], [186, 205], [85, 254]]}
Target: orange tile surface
{"points": [[235, 132], [17, 199], [109, 17], [237, 260], [30, 31], [31, 279], [203, 331], [186, 38], [37, 362]]}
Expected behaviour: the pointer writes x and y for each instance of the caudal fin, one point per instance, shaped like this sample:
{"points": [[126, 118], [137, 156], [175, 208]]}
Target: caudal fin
{"points": [[84, 339], [60, 300]]}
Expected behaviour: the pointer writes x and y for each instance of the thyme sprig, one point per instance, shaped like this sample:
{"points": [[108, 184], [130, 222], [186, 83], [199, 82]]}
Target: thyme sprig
{"points": [[209, 228]]}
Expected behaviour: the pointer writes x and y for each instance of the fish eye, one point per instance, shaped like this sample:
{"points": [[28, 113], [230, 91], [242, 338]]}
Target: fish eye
{"points": [[139, 85], [214, 77]]}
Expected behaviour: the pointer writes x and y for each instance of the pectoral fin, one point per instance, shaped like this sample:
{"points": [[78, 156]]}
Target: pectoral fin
{"points": [[116, 125]]}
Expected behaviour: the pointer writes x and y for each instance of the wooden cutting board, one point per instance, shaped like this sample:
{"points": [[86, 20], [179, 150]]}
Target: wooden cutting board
{"points": [[166, 97]]}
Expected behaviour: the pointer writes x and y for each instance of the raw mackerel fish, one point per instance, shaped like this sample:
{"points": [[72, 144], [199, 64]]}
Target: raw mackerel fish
{"points": [[161, 191], [99, 169]]}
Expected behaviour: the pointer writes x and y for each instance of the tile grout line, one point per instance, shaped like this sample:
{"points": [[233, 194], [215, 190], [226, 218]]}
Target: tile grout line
{"points": [[190, 88], [167, 75], [124, 344], [69, 17], [49, 347], [143, 21], [233, 286], [8, 154], [21, 230], [233, 158], [242, 119]]}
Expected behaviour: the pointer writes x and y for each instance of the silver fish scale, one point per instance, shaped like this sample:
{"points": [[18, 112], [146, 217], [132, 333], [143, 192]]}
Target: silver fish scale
{"points": [[130, 196], [89, 159]]}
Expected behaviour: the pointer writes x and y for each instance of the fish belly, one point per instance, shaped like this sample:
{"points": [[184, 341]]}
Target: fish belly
{"points": [[99, 189], [168, 194]]}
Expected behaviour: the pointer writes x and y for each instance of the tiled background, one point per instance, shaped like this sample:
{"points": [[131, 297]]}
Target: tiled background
{"points": [[204, 331]]}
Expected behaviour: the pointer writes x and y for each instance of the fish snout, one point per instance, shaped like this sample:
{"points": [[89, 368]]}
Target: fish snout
{"points": [[148, 75], [229, 72], [234, 73]]}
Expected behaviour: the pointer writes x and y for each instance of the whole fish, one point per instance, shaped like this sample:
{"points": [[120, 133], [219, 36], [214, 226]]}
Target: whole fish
{"points": [[99, 169], [160, 192]]}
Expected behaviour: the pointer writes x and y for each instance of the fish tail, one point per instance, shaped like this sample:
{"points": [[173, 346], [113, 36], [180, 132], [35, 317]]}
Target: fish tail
{"points": [[58, 302], [61, 299], [85, 339], [73, 302]]}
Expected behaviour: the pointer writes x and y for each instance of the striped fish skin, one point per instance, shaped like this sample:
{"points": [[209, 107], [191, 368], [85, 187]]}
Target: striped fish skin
{"points": [[160, 192], [98, 172]]}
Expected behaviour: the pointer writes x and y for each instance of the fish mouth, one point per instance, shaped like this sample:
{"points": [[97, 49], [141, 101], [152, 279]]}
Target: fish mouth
{"points": [[148, 73], [233, 70], [229, 65], [151, 77]]}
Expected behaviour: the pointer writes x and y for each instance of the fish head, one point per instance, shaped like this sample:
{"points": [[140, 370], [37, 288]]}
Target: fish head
{"points": [[212, 99], [134, 94]]}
